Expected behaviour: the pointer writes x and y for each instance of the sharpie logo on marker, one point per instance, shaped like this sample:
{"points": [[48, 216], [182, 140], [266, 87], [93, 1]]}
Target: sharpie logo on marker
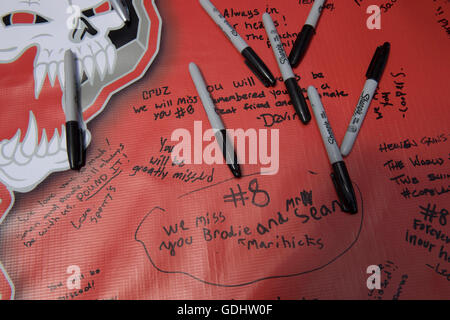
{"points": [[330, 133], [362, 102], [282, 53], [322, 115]]}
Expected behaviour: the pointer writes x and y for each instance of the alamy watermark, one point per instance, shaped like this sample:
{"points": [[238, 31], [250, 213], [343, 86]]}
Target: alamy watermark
{"points": [[191, 150], [374, 20], [374, 280]]}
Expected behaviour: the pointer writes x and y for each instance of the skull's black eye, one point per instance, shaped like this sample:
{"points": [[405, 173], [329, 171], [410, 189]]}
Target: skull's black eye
{"points": [[22, 18], [89, 13], [39, 19], [7, 20]]}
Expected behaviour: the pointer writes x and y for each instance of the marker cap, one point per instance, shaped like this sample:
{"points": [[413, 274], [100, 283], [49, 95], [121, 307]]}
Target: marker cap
{"points": [[301, 45], [75, 145], [257, 66], [344, 187], [378, 63], [229, 154], [298, 100]]}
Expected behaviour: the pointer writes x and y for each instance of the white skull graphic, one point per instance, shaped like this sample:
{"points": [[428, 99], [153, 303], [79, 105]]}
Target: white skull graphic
{"points": [[34, 34], [27, 158]]}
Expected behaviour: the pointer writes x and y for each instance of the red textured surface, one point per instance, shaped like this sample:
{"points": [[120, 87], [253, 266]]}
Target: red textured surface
{"points": [[120, 249]]}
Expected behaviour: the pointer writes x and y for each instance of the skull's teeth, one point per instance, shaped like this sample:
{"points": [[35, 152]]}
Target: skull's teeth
{"points": [[80, 70], [100, 58], [89, 62], [112, 57], [52, 70], [63, 142], [23, 152], [9, 147], [61, 74], [29, 144], [4, 161], [20, 157], [42, 149], [89, 68], [53, 145], [40, 72]]}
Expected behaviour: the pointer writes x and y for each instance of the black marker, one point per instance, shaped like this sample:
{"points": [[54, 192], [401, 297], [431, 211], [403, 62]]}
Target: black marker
{"points": [[252, 60], [373, 75], [340, 176], [295, 92], [74, 133], [220, 132], [304, 37]]}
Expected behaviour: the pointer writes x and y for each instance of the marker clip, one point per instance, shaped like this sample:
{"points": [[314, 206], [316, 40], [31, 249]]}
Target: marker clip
{"points": [[301, 44]]}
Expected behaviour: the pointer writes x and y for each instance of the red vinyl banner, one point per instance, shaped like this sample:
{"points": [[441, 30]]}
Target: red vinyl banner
{"points": [[156, 213]]}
